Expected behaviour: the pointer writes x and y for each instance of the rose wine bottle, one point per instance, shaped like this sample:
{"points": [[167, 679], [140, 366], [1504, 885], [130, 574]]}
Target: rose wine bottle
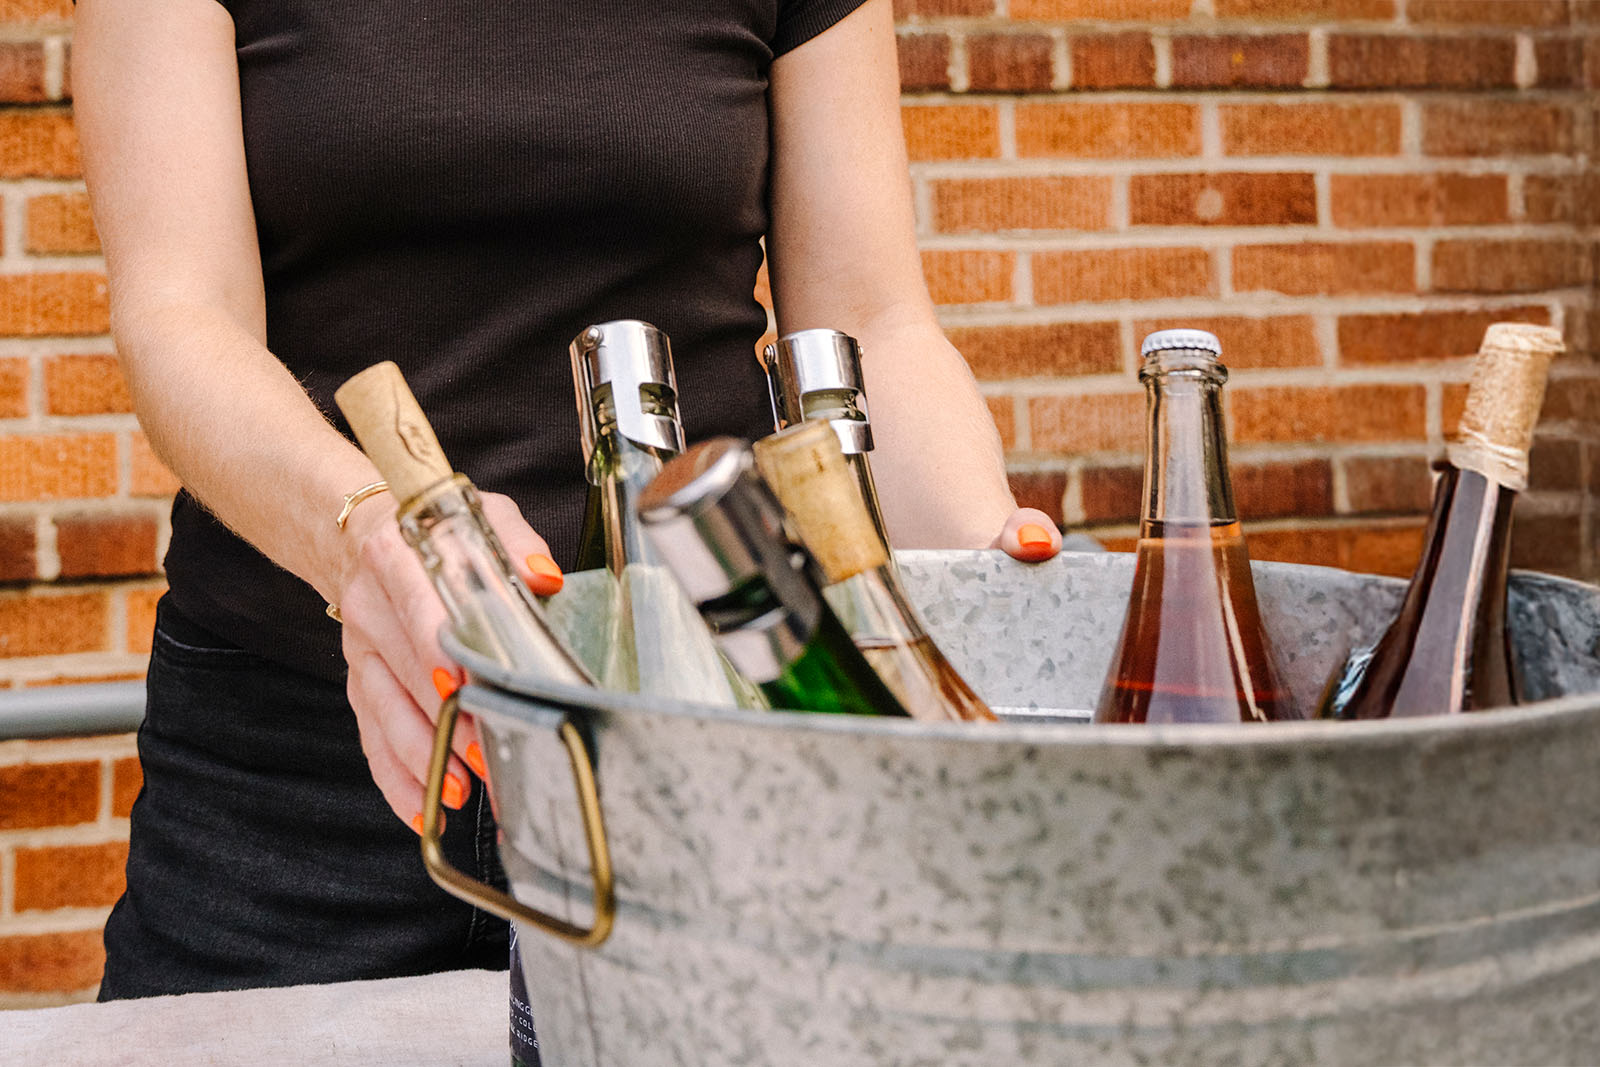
{"points": [[1193, 648], [720, 529], [1448, 650], [807, 470]]}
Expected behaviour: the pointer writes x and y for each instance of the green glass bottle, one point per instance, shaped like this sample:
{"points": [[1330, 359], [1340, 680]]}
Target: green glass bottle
{"points": [[628, 421], [721, 531]]}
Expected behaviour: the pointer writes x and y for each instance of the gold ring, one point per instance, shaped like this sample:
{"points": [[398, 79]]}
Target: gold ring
{"points": [[333, 613]]}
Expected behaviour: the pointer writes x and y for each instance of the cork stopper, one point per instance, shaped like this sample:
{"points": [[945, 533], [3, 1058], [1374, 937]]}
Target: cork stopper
{"points": [[393, 431], [806, 468], [1503, 401]]}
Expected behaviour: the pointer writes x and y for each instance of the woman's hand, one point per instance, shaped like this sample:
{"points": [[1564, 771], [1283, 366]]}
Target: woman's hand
{"points": [[399, 675], [1029, 535]]}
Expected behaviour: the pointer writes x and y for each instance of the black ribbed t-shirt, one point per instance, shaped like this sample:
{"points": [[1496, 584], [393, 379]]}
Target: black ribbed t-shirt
{"points": [[462, 188]]}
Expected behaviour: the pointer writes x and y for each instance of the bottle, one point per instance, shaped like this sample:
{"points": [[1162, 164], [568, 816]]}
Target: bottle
{"points": [[1192, 647], [720, 529], [807, 470], [1448, 650], [441, 517], [815, 375], [628, 422]]}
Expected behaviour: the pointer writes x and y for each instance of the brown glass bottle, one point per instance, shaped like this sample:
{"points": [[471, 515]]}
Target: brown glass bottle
{"points": [[1448, 649], [1193, 648]]}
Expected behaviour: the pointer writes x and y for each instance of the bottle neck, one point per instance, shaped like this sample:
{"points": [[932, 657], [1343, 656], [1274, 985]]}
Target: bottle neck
{"points": [[1186, 458], [619, 470]]}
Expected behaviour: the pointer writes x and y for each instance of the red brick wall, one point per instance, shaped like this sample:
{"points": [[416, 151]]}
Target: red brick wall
{"points": [[1347, 191]]}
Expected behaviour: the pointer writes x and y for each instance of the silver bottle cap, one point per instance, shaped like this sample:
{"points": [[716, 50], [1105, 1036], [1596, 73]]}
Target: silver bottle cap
{"points": [[1181, 340], [810, 372], [627, 355]]}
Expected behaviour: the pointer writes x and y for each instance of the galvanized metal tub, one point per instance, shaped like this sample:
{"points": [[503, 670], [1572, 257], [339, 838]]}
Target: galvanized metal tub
{"points": [[813, 889]]}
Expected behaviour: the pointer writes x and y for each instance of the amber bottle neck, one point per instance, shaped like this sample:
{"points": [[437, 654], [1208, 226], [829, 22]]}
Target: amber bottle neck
{"points": [[1186, 456]]}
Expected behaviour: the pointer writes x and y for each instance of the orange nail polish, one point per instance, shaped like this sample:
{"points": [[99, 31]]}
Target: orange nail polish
{"points": [[444, 682], [475, 761], [1033, 535], [454, 793], [546, 575], [416, 824]]}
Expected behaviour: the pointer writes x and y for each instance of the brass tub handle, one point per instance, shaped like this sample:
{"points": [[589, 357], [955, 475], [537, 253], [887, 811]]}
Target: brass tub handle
{"points": [[493, 900]]}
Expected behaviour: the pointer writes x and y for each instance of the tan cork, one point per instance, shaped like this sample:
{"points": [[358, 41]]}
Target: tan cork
{"points": [[807, 471], [1503, 401], [393, 431]]}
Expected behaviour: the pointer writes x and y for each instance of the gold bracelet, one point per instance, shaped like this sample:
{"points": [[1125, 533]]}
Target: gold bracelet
{"points": [[350, 502], [352, 499]]}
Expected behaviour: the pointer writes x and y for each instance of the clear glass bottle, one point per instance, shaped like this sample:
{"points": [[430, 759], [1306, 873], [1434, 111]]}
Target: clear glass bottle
{"points": [[721, 530], [1448, 649], [806, 468], [1193, 648], [628, 420]]}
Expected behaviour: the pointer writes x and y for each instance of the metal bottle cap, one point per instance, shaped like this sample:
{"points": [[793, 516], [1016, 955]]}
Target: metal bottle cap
{"points": [[627, 355], [1181, 340], [805, 364], [1168, 351]]}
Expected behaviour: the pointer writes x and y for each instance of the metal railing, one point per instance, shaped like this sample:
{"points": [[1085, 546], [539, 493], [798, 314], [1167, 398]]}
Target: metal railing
{"points": [[71, 710]]}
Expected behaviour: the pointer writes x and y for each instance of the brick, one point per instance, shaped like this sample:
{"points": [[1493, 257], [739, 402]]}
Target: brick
{"points": [[1072, 424], [1591, 62], [1412, 336], [85, 385], [1359, 200], [1387, 549], [1003, 410], [1572, 399], [100, 546], [35, 10], [1112, 494], [1511, 266], [1283, 341], [35, 305], [1311, 268], [70, 876], [935, 8], [1319, 10], [1555, 464], [1113, 61], [960, 277], [19, 558], [1106, 10], [1101, 130], [1568, 198], [1452, 402], [38, 144], [22, 73], [83, 679], [1238, 199], [150, 477], [1558, 62], [924, 61], [1010, 63], [141, 611], [1121, 274], [1040, 489], [127, 778], [49, 625], [14, 376], [1496, 128], [1283, 490], [51, 963], [1314, 129], [989, 205], [1239, 61], [1392, 61], [1387, 484], [1550, 543], [1056, 349], [61, 223], [57, 466], [951, 131], [1307, 414], [1522, 14], [35, 795]]}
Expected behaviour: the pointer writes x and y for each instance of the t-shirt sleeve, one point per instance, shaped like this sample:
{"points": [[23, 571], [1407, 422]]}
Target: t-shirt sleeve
{"points": [[801, 20]]}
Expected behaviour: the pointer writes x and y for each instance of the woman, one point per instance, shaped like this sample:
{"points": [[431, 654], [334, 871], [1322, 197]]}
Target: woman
{"points": [[290, 190]]}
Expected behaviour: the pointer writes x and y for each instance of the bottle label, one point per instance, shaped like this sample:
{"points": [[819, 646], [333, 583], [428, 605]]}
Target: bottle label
{"points": [[524, 1042]]}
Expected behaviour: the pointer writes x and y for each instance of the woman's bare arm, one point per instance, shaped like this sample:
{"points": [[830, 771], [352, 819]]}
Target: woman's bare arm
{"points": [[842, 253]]}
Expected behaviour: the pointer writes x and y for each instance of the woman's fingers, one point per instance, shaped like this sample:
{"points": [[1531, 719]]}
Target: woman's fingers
{"points": [[1029, 535], [530, 554]]}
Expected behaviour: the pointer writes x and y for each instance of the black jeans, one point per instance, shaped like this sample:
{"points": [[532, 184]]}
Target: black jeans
{"points": [[261, 852]]}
